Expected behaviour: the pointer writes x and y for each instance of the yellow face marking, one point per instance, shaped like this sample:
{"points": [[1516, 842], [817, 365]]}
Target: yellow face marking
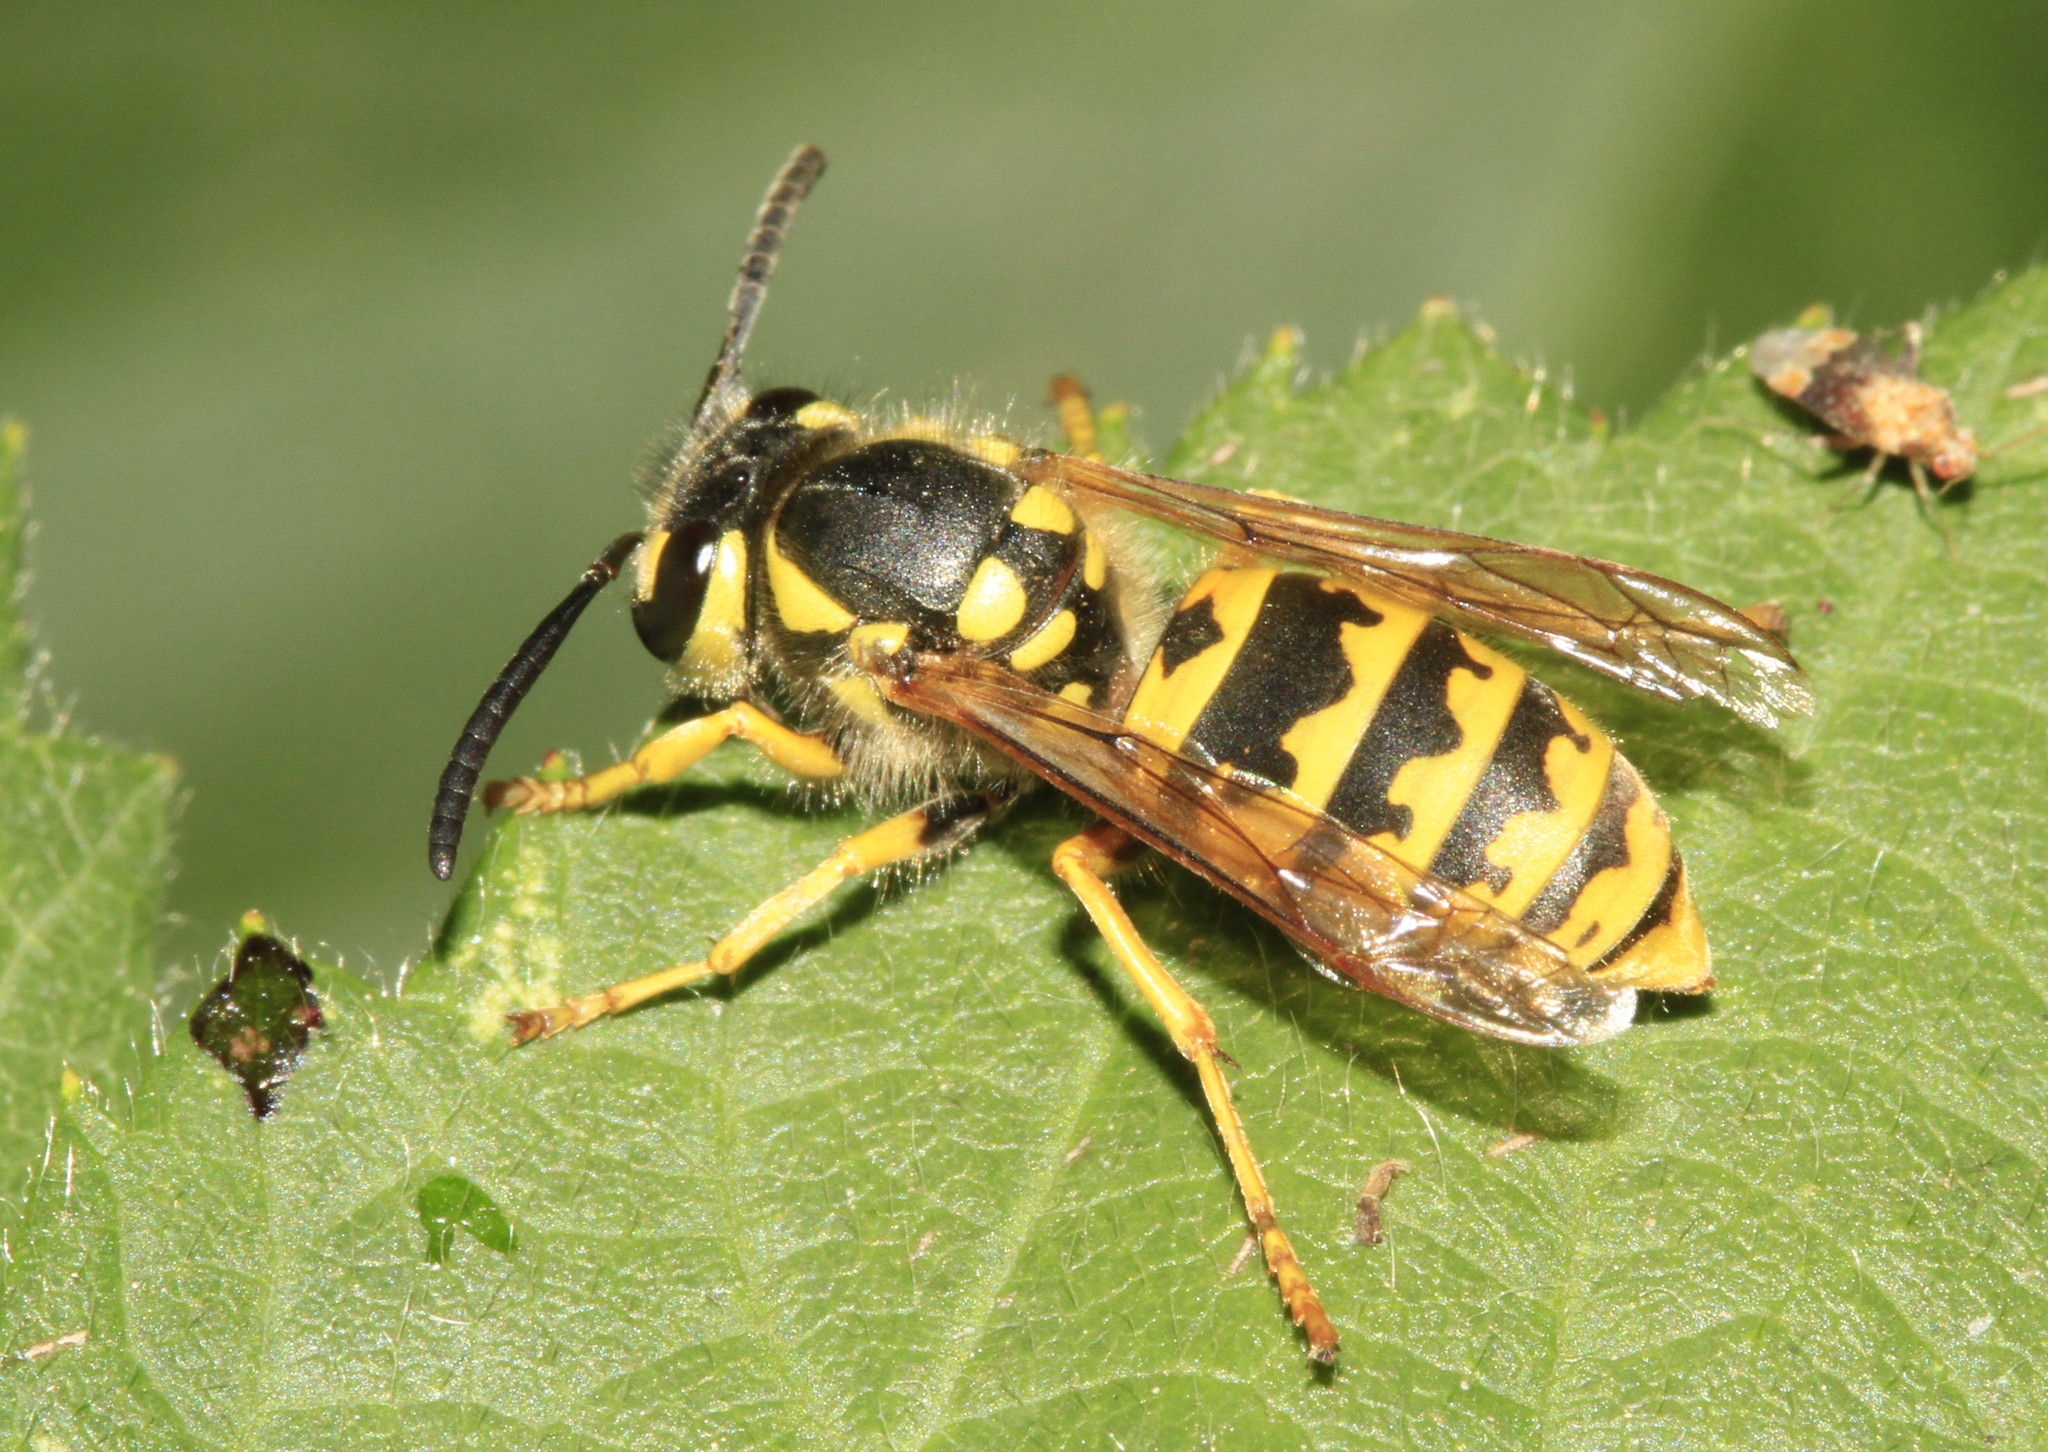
{"points": [[994, 602], [715, 644], [1672, 956], [993, 450], [857, 696], [1040, 508], [1045, 643], [1079, 692], [1434, 788], [1164, 707], [1094, 563], [803, 607], [1613, 902], [824, 414], [1322, 743], [1533, 845], [650, 563]]}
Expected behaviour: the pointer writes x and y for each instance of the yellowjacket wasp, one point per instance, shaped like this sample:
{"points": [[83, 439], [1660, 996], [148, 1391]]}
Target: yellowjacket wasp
{"points": [[918, 613]]}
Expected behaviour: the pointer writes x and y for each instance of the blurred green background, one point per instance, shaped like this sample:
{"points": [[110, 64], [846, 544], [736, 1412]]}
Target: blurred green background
{"points": [[339, 328]]}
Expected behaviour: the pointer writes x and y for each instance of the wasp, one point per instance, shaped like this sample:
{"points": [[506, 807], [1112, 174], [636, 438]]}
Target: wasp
{"points": [[921, 615]]}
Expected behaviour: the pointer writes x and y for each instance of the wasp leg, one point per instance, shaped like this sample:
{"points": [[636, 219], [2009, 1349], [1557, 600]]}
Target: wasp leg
{"points": [[1077, 419], [667, 757], [1082, 862], [932, 830]]}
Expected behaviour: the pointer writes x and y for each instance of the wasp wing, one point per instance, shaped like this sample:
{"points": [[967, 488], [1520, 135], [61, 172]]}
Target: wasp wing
{"points": [[1653, 633], [1369, 919]]}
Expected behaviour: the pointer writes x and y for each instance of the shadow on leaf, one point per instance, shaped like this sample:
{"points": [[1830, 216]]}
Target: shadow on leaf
{"points": [[1499, 1085]]}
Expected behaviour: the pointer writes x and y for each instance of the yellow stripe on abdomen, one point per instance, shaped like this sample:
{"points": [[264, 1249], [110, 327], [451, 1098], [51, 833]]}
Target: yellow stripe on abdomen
{"points": [[1324, 741], [1614, 873], [1433, 789], [1197, 649], [1533, 845]]}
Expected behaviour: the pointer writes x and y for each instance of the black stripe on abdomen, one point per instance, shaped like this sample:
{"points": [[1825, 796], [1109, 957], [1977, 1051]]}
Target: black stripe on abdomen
{"points": [[1413, 720], [1605, 845], [1290, 665], [1515, 781]]}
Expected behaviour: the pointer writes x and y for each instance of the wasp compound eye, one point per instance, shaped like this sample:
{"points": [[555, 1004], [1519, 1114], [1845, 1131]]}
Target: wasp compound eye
{"points": [[672, 596]]}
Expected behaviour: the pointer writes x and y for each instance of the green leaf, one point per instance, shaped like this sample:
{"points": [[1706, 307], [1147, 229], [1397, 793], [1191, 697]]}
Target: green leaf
{"points": [[927, 1177], [84, 849]]}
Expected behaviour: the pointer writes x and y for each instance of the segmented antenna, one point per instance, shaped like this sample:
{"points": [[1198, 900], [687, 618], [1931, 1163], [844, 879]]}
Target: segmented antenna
{"points": [[466, 762], [771, 224], [473, 747]]}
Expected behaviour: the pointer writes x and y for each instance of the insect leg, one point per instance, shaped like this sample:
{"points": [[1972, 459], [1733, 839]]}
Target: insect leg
{"points": [[1927, 504], [1077, 419], [667, 757], [1082, 862], [929, 831]]}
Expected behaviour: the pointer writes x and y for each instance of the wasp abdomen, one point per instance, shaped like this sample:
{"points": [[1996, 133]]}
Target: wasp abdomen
{"points": [[1435, 747]]}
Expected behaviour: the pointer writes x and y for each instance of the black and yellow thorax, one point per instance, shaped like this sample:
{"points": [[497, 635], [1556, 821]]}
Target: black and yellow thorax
{"points": [[1436, 748], [799, 528]]}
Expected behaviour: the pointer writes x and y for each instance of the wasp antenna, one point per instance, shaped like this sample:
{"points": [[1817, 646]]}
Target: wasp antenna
{"points": [[771, 225], [480, 734]]}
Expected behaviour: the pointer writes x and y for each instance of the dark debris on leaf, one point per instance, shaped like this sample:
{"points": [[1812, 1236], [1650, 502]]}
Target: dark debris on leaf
{"points": [[258, 1020], [448, 1203]]}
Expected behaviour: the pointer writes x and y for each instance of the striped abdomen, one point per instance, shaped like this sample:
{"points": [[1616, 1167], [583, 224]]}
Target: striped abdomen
{"points": [[1434, 747]]}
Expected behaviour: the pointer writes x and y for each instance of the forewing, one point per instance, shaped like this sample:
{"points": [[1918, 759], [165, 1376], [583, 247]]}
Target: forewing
{"points": [[1839, 390], [1370, 919], [1786, 358], [1653, 633]]}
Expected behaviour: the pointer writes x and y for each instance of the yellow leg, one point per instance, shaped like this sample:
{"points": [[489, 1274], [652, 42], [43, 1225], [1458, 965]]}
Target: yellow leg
{"points": [[1082, 862], [931, 830], [1076, 417], [667, 757]]}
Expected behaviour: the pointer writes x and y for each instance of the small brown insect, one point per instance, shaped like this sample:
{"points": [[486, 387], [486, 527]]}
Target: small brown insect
{"points": [[1872, 396], [1380, 1179]]}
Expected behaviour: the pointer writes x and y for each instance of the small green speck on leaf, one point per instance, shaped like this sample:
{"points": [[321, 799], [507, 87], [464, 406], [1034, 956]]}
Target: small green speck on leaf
{"points": [[448, 1203]]}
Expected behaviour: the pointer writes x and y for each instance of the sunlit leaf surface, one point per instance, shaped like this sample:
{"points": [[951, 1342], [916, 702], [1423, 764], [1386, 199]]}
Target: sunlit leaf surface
{"points": [[927, 1178]]}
